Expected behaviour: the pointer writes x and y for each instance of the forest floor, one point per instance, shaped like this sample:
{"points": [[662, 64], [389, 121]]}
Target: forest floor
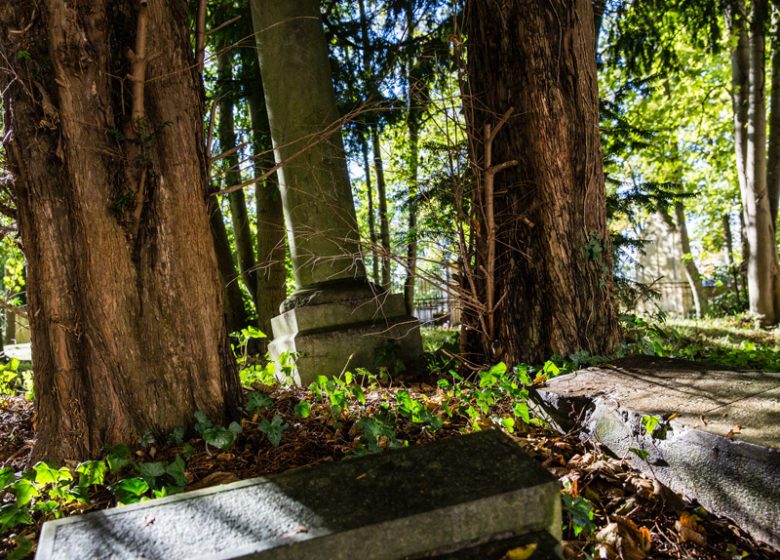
{"points": [[610, 511]]}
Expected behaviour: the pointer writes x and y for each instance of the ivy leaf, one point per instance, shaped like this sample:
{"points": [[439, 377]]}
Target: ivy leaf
{"points": [[257, 401], [24, 490], [274, 429], [44, 474], [303, 409], [92, 473], [129, 490], [150, 471], [176, 471]]}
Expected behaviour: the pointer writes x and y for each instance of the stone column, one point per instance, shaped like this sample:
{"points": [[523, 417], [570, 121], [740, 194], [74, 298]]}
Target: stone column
{"points": [[335, 319]]}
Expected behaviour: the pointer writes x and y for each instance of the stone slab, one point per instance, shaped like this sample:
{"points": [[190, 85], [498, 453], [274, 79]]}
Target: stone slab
{"points": [[410, 503], [736, 475]]}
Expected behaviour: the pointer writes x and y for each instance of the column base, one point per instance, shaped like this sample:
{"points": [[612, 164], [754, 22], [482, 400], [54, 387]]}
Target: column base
{"points": [[335, 327]]}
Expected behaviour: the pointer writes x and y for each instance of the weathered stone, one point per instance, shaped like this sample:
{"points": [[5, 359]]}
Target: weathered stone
{"points": [[348, 326], [433, 499], [334, 319], [723, 445]]}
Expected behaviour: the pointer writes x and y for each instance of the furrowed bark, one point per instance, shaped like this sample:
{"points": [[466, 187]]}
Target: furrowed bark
{"points": [[126, 318]]}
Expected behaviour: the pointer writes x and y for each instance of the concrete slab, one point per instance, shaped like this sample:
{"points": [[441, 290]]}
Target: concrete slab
{"points": [[723, 445], [425, 501]]}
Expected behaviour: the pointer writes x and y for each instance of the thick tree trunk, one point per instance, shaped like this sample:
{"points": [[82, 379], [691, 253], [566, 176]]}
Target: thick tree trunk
{"points": [[271, 248], [124, 295], [239, 216], [552, 281], [700, 301], [371, 217]]}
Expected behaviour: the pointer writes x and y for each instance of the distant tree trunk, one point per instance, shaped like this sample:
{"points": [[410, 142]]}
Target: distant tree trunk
{"points": [[748, 71], [729, 242], [552, 287], [413, 114], [235, 310], [411, 251], [271, 248], [124, 297], [700, 301], [370, 199], [773, 154], [239, 215], [384, 223]]}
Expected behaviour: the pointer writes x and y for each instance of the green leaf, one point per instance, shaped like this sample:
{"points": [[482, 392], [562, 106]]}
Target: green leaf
{"points": [[303, 409], [118, 458], [92, 473], [176, 437], [44, 474], [499, 369], [509, 424], [129, 490], [176, 471], [150, 471], [23, 548], [12, 516], [274, 429], [521, 410], [7, 476], [257, 401], [650, 423], [24, 490], [641, 453]]}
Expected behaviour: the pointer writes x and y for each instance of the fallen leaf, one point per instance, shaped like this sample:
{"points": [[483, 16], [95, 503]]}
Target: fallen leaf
{"points": [[521, 552]]}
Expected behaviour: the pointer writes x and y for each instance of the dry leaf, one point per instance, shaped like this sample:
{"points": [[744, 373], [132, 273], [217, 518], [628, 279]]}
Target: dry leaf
{"points": [[521, 552]]}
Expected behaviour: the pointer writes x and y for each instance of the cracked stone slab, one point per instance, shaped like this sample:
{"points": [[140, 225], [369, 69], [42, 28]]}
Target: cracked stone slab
{"points": [[723, 445], [425, 501]]}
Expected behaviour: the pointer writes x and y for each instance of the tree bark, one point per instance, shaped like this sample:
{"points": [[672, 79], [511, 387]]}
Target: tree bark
{"points": [[773, 152], [236, 315], [700, 301], [413, 117], [271, 248], [384, 222], [370, 199], [239, 215], [552, 259], [124, 296], [762, 262], [728, 239]]}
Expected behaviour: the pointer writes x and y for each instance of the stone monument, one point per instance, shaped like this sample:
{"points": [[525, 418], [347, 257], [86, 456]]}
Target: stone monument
{"points": [[336, 319]]}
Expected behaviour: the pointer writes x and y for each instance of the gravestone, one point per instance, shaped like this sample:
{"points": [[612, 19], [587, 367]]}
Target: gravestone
{"points": [[336, 319], [717, 438], [463, 497]]}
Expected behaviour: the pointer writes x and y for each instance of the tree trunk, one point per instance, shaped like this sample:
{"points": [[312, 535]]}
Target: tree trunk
{"points": [[384, 222], [773, 153], [413, 118], [371, 217], [124, 296], [552, 281], [271, 248], [700, 301], [762, 262], [239, 216], [235, 310], [729, 242]]}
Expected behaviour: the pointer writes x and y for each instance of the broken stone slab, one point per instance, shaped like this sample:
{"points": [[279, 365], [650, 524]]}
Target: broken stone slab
{"points": [[720, 444], [426, 501]]}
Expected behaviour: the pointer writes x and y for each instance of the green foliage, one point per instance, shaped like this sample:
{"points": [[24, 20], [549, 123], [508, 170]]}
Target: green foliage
{"points": [[214, 435], [273, 429], [579, 514], [257, 401]]}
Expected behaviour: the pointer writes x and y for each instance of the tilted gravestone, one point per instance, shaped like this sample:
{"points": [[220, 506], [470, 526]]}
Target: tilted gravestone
{"points": [[454, 498], [714, 434]]}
